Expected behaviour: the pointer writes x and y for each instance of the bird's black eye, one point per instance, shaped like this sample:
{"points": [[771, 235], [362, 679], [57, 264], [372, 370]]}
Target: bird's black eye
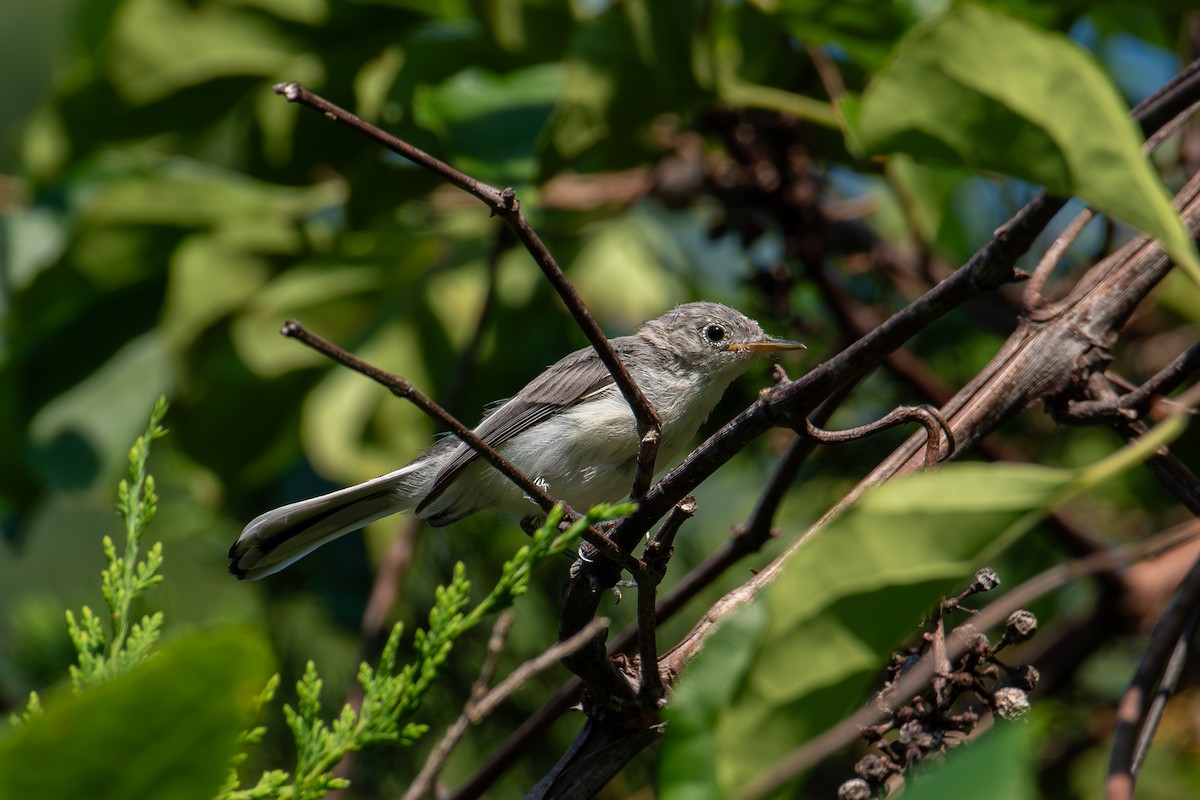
{"points": [[714, 333]]}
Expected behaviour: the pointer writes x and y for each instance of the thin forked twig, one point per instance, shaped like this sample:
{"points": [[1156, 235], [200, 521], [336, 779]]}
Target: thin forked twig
{"points": [[521, 675], [1136, 403], [1136, 720], [504, 203], [1166, 687], [1031, 296], [658, 554], [422, 785], [404, 389]]}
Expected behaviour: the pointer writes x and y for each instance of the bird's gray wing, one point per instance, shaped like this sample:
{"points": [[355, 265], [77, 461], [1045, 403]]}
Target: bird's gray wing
{"points": [[564, 384]]}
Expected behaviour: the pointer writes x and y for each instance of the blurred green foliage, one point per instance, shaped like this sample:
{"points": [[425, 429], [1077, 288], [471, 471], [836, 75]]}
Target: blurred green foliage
{"points": [[126, 738], [163, 212]]}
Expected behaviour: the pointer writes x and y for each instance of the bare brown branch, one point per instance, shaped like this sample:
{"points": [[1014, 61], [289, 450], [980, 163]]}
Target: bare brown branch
{"points": [[503, 203]]}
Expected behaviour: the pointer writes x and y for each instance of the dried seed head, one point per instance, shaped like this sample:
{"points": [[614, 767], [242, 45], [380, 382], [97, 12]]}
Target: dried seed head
{"points": [[854, 789], [962, 680], [1026, 677], [917, 734], [985, 580], [965, 722], [1011, 702], [873, 768], [973, 640], [1021, 626]]}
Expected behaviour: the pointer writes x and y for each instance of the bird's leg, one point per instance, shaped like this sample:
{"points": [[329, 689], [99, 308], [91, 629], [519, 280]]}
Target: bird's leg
{"points": [[928, 417], [533, 523], [585, 553]]}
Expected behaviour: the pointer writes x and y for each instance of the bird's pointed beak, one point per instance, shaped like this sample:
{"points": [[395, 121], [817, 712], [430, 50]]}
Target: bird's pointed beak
{"points": [[771, 345]]}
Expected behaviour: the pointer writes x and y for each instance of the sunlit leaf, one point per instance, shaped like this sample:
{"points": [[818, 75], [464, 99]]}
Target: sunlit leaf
{"points": [[489, 123], [244, 212], [166, 730], [979, 88], [163, 46], [999, 765]]}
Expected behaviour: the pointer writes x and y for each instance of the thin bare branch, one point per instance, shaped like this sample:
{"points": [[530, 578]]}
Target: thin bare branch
{"points": [[658, 554], [504, 203], [1136, 403], [1172, 672], [504, 757], [484, 702], [1134, 717], [1033, 298], [522, 674]]}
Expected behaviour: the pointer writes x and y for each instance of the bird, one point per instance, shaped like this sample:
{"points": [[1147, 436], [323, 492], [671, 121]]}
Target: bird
{"points": [[570, 429]]}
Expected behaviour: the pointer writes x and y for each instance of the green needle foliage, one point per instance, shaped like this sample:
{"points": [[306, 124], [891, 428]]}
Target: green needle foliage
{"points": [[391, 696], [101, 656]]}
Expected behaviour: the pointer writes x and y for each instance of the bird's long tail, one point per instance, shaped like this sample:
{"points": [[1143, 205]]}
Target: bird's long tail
{"points": [[277, 538]]}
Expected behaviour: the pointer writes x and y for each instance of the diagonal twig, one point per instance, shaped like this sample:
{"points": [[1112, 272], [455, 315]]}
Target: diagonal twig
{"points": [[1136, 718], [483, 702]]}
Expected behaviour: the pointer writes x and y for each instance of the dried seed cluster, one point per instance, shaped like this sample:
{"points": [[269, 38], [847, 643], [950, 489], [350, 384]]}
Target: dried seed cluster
{"points": [[960, 694]]}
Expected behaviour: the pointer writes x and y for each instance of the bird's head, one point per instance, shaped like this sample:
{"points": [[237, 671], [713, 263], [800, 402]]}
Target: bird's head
{"points": [[711, 337]]}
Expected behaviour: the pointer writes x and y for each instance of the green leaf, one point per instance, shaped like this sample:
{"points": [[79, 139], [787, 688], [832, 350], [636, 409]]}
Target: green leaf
{"points": [[488, 122], [1000, 765], [242, 212], [686, 766], [85, 431], [979, 88], [865, 29], [167, 730], [163, 46], [208, 279]]}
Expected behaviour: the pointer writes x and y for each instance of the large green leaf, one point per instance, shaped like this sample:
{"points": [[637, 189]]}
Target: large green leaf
{"points": [[979, 88], [245, 213], [489, 123], [167, 730], [163, 46]]}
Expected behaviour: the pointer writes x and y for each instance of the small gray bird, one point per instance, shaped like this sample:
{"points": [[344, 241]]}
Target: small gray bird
{"points": [[570, 427]]}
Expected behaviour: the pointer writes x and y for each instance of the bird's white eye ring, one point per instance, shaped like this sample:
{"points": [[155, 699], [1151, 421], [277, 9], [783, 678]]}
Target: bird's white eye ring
{"points": [[714, 333]]}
